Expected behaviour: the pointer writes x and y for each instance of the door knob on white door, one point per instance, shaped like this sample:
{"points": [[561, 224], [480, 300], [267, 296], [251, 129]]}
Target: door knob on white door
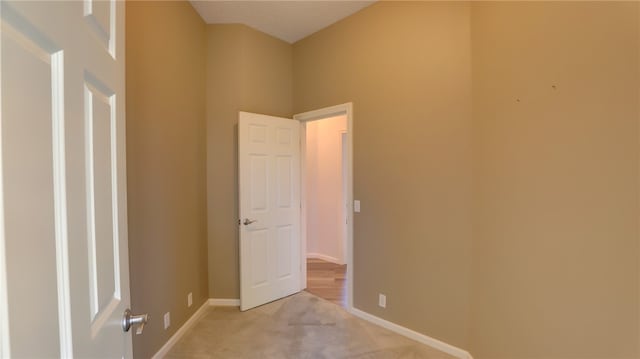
{"points": [[130, 320], [248, 221]]}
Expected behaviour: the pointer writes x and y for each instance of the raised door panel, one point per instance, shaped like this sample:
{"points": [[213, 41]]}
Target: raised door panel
{"points": [[99, 15], [284, 238], [284, 180], [259, 196], [259, 244], [102, 219], [34, 227]]}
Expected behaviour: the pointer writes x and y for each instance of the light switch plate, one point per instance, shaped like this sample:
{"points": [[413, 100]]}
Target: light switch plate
{"points": [[356, 206], [167, 320], [382, 300]]}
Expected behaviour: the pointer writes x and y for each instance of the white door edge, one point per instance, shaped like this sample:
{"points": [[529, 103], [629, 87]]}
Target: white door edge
{"points": [[345, 109]]}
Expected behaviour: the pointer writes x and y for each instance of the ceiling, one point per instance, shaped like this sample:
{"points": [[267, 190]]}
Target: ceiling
{"points": [[287, 20]]}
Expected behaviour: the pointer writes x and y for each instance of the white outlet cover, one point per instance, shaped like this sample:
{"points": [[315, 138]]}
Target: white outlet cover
{"points": [[356, 206], [382, 300], [190, 299], [167, 320]]}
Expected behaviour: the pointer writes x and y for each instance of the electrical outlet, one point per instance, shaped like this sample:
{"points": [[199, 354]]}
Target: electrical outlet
{"points": [[190, 299], [356, 206], [382, 300], [167, 320]]}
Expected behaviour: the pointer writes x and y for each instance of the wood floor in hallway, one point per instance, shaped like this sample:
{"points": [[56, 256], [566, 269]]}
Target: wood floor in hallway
{"points": [[327, 280]]}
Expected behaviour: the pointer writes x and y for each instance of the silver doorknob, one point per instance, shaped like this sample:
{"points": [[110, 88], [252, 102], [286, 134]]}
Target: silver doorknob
{"points": [[248, 221], [130, 320]]}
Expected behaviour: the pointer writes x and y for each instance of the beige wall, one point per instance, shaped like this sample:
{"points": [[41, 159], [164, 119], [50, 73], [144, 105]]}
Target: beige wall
{"points": [[325, 195], [555, 259], [407, 69], [538, 256], [499, 213], [246, 71], [165, 66]]}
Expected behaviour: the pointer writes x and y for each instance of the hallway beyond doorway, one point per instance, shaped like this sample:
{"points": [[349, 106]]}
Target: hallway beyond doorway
{"points": [[327, 280]]}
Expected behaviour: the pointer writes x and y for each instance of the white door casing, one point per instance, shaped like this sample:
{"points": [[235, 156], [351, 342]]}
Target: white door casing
{"points": [[63, 185], [269, 190], [344, 213]]}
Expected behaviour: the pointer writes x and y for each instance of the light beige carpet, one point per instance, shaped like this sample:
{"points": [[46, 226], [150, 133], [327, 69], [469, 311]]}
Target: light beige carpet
{"points": [[298, 327]]}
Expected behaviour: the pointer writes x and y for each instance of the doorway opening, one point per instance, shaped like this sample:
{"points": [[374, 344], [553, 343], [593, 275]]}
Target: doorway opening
{"points": [[326, 193]]}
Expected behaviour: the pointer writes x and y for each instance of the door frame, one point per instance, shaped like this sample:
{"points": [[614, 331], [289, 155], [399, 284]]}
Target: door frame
{"points": [[345, 109]]}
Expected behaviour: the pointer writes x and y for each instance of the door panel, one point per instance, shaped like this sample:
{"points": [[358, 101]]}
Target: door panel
{"points": [[284, 246], [64, 205], [100, 18], [258, 242], [102, 233], [283, 180], [29, 191], [269, 163], [259, 182]]}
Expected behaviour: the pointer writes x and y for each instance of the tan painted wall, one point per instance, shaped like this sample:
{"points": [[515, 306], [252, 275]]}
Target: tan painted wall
{"points": [[246, 71], [555, 259], [407, 69], [165, 67], [551, 217], [325, 197], [554, 200]]}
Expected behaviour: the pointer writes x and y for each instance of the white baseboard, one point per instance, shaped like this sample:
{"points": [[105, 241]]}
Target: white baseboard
{"points": [[324, 257], [419, 337], [180, 332], [220, 302]]}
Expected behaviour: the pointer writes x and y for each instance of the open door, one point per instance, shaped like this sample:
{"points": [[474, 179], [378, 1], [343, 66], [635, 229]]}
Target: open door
{"points": [[63, 220], [269, 188]]}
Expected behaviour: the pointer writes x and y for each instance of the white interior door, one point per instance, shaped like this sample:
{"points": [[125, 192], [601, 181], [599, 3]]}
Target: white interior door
{"points": [[269, 166], [63, 213]]}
